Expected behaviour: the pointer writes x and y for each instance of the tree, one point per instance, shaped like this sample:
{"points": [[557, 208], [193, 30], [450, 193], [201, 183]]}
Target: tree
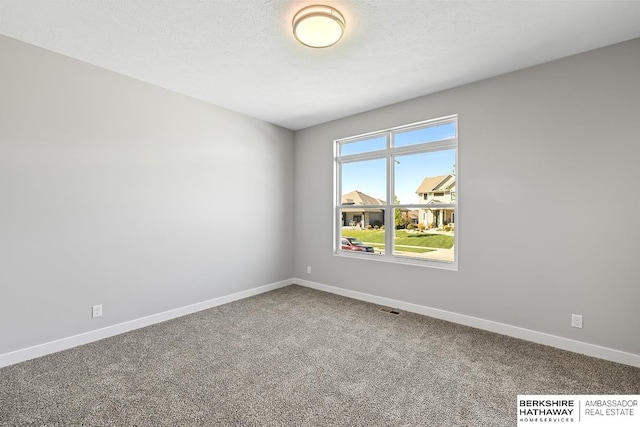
{"points": [[400, 220]]}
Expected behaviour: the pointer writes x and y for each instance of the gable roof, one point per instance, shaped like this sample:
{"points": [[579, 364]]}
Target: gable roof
{"points": [[359, 198], [431, 183]]}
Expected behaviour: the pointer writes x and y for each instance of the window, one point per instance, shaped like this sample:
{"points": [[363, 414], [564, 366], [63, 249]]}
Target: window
{"points": [[396, 195]]}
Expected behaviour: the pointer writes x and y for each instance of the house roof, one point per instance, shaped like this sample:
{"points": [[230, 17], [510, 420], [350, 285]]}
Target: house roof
{"points": [[359, 198], [413, 214], [431, 183]]}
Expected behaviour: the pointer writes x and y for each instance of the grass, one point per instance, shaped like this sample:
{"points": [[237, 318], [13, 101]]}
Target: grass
{"points": [[404, 239], [400, 248]]}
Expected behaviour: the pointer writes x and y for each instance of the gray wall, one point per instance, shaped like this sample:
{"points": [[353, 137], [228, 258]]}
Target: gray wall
{"points": [[116, 192], [548, 198]]}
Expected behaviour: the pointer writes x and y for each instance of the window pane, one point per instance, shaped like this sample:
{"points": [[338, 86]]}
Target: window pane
{"points": [[425, 178], [424, 242], [419, 197], [362, 230], [364, 146], [428, 134], [364, 183]]}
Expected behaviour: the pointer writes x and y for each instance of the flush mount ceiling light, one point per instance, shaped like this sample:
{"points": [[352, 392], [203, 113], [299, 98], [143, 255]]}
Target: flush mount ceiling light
{"points": [[318, 26]]}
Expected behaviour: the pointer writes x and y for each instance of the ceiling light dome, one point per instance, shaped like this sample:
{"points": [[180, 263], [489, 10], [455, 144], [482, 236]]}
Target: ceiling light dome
{"points": [[318, 26]]}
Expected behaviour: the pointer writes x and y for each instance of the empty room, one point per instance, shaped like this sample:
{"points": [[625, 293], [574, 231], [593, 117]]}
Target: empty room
{"points": [[333, 213]]}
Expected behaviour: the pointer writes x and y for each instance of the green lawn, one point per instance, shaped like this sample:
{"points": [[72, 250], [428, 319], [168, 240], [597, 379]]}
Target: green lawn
{"points": [[427, 240], [399, 248]]}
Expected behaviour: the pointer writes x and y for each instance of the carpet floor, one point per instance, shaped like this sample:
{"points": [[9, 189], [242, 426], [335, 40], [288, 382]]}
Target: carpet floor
{"points": [[298, 357]]}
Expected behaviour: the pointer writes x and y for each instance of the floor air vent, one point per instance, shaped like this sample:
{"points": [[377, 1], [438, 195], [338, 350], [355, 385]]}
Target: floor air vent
{"points": [[390, 311]]}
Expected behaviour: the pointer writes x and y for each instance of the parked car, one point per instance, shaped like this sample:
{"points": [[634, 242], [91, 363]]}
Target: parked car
{"points": [[353, 244]]}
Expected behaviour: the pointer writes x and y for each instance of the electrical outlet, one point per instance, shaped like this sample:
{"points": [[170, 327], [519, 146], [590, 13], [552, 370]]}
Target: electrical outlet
{"points": [[96, 311], [576, 321], [308, 269]]}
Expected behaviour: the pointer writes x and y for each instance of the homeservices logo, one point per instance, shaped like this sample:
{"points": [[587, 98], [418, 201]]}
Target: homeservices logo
{"points": [[583, 410], [551, 410]]}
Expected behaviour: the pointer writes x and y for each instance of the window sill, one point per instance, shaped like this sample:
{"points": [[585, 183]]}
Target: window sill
{"points": [[394, 259]]}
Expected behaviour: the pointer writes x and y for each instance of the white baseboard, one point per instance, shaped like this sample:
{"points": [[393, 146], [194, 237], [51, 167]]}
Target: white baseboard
{"points": [[109, 331], [487, 325]]}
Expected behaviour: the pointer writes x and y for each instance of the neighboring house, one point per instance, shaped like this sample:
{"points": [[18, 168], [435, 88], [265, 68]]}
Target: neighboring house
{"points": [[437, 189], [413, 217], [410, 216], [360, 215]]}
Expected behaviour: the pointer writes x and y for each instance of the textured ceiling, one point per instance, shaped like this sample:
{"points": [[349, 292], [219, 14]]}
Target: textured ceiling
{"points": [[240, 54]]}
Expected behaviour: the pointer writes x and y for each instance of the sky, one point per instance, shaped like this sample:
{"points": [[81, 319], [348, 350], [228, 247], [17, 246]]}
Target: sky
{"points": [[369, 176]]}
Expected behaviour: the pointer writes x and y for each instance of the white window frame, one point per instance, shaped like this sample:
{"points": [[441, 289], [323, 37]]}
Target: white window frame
{"points": [[389, 153]]}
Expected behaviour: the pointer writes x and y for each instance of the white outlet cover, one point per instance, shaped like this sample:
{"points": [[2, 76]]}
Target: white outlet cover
{"points": [[576, 320], [96, 311]]}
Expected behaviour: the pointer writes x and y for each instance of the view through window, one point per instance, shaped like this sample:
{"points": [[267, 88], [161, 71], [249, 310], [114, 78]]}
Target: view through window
{"points": [[397, 194]]}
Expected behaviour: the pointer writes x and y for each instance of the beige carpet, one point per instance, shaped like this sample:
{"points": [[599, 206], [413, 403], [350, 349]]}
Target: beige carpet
{"points": [[298, 357]]}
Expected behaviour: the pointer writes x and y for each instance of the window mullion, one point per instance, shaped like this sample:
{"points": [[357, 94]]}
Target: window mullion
{"points": [[426, 147], [389, 217], [372, 155], [337, 196]]}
